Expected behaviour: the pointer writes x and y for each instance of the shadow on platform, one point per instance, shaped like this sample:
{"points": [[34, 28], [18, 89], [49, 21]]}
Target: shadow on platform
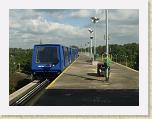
{"points": [[91, 97], [93, 74], [83, 77]]}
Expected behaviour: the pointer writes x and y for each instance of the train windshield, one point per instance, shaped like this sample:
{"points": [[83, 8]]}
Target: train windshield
{"points": [[46, 55]]}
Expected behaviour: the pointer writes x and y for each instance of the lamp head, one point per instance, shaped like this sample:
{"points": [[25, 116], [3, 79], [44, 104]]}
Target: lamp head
{"points": [[90, 30], [94, 19]]}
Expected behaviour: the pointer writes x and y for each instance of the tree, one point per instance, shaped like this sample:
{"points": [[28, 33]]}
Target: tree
{"points": [[123, 53]]}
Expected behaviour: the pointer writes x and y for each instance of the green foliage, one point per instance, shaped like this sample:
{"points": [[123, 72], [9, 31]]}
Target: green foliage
{"points": [[74, 46], [22, 57], [18, 58], [127, 54]]}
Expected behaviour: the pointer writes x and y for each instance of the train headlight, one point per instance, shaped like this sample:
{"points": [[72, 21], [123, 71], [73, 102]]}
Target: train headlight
{"points": [[40, 66]]}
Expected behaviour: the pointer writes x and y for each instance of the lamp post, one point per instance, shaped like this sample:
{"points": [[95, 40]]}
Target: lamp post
{"points": [[126, 60], [81, 48], [116, 57], [19, 67], [94, 20], [107, 46], [85, 48], [88, 48], [91, 37]]}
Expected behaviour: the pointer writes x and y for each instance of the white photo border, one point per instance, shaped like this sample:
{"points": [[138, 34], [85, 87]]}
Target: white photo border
{"points": [[141, 5]]}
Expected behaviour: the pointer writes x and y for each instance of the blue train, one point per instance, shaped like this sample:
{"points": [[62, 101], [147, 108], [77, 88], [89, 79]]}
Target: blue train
{"points": [[51, 59]]}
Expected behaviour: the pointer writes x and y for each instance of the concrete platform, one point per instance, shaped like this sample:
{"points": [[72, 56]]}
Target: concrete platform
{"points": [[83, 75], [79, 85]]}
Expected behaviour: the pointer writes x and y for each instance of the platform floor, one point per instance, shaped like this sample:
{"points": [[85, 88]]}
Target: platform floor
{"points": [[83, 75], [79, 85]]}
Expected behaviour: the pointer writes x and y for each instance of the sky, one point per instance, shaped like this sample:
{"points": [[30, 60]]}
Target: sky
{"points": [[68, 27]]}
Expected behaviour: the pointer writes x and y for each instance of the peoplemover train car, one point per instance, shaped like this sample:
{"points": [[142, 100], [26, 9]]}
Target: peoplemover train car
{"points": [[51, 59]]}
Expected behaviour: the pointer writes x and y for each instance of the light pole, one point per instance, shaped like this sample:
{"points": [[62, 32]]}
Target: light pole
{"points": [[116, 57], [91, 37], [85, 49], [81, 48], [126, 59], [107, 47], [19, 67], [94, 20], [88, 48]]}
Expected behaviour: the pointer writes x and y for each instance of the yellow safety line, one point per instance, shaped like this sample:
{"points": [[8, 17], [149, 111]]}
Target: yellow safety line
{"points": [[51, 84]]}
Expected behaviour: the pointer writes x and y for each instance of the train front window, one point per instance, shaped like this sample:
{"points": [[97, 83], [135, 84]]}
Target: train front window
{"points": [[46, 55]]}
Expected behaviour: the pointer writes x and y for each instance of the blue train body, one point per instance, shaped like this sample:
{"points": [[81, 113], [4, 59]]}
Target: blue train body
{"points": [[48, 59]]}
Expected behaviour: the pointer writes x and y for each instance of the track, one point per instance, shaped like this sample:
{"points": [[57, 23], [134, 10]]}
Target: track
{"points": [[21, 101]]}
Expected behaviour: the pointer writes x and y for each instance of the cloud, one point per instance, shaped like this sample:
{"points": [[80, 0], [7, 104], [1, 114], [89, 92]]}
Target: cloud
{"points": [[37, 29], [57, 14], [70, 27], [81, 13]]}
